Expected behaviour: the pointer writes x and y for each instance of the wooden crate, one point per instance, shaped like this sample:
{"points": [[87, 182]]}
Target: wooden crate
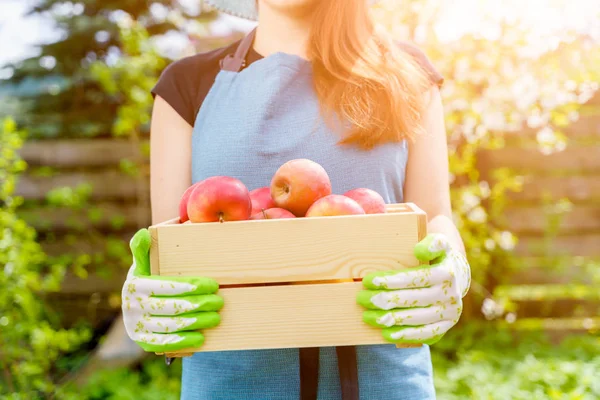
{"points": [[289, 283]]}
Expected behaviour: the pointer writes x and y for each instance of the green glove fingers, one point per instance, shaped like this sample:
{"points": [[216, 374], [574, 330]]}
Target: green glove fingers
{"points": [[387, 319], [418, 305], [157, 305], [181, 285], [164, 313], [363, 298], [390, 299], [166, 342], [427, 334], [399, 279], [413, 316], [187, 322], [432, 248], [203, 285], [390, 333], [140, 247]]}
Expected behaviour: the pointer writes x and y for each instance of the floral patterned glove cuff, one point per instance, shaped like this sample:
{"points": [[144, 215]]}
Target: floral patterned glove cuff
{"points": [[418, 305], [165, 313]]}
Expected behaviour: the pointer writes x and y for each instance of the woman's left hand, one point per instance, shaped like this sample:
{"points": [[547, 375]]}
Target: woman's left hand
{"points": [[418, 305]]}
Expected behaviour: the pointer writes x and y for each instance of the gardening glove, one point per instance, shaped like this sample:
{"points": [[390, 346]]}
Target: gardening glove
{"points": [[418, 305], [163, 314]]}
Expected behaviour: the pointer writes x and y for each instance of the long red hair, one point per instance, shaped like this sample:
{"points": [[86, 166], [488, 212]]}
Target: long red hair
{"points": [[363, 77]]}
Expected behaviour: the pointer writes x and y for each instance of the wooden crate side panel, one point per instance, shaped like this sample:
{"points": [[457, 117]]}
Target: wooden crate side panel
{"points": [[154, 252], [322, 315], [301, 249]]}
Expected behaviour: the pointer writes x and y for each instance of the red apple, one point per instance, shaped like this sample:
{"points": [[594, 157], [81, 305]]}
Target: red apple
{"points": [[273, 213], [298, 183], [219, 198], [183, 214], [368, 199], [261, 199], [334, 204]]}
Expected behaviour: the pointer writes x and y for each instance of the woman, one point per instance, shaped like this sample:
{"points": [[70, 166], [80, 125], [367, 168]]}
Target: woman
{"points": [[314, 80]]}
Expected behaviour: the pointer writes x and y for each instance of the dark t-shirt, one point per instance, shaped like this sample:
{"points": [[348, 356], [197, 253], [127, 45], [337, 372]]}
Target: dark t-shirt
{"points": [[185, 83]]}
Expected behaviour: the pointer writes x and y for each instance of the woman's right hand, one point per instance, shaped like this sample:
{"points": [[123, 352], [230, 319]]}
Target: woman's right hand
{"points": [[164, 314]]}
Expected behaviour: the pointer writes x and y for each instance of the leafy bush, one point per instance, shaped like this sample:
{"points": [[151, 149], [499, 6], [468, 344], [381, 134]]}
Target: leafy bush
{"points": [[153, 380], [31, 341], [473, 361], [509, 84], [484, 362]]}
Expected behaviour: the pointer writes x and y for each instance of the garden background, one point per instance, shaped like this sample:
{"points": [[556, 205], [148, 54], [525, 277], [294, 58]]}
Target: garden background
{"points": [[523, 120]]}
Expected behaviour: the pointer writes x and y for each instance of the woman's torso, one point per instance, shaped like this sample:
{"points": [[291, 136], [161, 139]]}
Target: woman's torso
{"points": [[254, 121], [249, 124]]}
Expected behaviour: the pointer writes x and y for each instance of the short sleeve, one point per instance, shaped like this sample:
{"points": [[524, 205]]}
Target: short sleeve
{"points": [[177, 87], [421, 58]]}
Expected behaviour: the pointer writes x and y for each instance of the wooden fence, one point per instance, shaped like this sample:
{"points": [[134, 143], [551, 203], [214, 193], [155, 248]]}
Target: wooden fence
{"points": [[118, 206]]}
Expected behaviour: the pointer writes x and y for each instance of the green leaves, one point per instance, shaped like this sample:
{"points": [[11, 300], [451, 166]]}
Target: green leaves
{"points": [[476, 362], [30, 340], [131, 78]]}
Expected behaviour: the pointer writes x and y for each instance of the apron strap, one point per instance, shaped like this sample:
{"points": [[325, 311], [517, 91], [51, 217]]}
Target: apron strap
{"points": [[309, 357], [309, 373], [235, 62], [347, 368], [348, 371]]}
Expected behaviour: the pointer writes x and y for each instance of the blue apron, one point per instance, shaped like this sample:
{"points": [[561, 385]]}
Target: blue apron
{"points": [[254, 119]]}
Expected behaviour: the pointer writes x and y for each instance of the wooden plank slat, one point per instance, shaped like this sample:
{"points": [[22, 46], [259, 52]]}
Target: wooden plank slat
{"points": [[93, 309], [106, 184], [550, 275], [78, 153], [93, 283], [575, 188], [290, 250], [548, 292], [84, 244], [585, 126], [554, 324], [573, 158], [267, 321], [535, 219], [56, 219], [580, 245]]}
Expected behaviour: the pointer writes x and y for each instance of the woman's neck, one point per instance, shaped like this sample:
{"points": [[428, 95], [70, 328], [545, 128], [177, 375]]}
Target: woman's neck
{"points": [[279, 31]]}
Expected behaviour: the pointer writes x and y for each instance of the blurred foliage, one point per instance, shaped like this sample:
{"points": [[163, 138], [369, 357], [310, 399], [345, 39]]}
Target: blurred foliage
{"points": [[473, 361], [482, 361], [495, 88], [129, 80], [152, 380], [56, 95], [31, 339], [509, 84]]}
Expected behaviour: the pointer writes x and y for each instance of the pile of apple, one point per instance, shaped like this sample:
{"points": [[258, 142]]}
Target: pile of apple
{"points": [[299, 188]]}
